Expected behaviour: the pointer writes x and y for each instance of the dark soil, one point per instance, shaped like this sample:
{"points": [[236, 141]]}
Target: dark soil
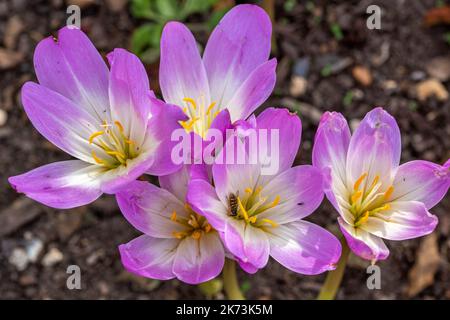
{"points": [[89, 236]]}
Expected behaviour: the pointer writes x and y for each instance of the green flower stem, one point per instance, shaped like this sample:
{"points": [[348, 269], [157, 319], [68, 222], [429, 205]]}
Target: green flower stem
{"points": [[334, 278], [230, 282]]}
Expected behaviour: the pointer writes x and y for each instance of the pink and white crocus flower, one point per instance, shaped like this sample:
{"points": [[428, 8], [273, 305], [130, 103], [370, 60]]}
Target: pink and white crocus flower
{"points": [[233, 78], [177, 241], [106, 118], [268, 208], [375, 196]]}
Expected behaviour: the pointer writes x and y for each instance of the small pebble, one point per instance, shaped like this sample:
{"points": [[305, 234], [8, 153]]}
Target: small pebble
{"points": [[3, 117], [362, 75], [298, 86], [19, 259], [52, 257]]}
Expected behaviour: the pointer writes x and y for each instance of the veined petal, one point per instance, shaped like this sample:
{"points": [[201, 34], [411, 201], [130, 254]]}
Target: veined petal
{"points": [[202, 197], [149, 209], [421, 181], [330, 153], [60, 121], [177, 182], [164, 120], [362, 243], [288, 127], [73, 67], [181, 73], [150, 257], [236, 173], [248, 243], [300, 192], [253, 91], [236, 47], [404, 220], [304, 247], [199, 260], [374, 148], [62, 185], [129, 92]]}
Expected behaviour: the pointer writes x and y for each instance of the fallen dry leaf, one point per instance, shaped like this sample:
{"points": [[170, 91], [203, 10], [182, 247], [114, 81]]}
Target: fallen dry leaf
{"points": [[429, 88], [13, 28], [437, 16], [9, 58], [427, 264]]}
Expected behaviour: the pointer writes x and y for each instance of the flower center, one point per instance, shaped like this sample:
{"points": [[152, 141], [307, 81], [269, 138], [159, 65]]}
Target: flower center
{"points": [[197, 224], [200, 116], [249, 206], [116, 147], [367, 199]]}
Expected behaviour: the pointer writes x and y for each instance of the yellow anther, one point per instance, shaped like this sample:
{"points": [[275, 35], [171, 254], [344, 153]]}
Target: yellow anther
{"points": [[119, 125], [244, 212], [362, 219], [271, 222], [173, 217], [276, 201], [258, 190], [211, 106], [193, 222], [216, 113], [179, 234], [196, 234], [359, 181], [252, 219], [388, 193], [191, 101], [95, 135], [184, 109], [97, 159], [129, 141], [375, 181], [187, 125], [207, 228], [249, 190], [356, 196], [187, 206]]}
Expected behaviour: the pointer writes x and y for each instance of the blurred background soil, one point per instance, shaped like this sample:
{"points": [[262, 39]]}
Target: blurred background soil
{"points": [[327, 60]]}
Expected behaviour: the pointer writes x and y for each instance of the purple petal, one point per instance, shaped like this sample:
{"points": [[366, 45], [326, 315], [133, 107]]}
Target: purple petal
{"points": [[197, 261], [246, 242], [330, 153], [253, 91], [177, 182], [181, 73], [304, 247], [149, 257], [60, 121], [129, 92], [362, 243], [421, 181], [246, 266], [73, 67], [149, 209], [236, 47], [164, 121], [404, 220], [62, 185], [232, 177], [300, 192], [375, 148], [289, 129], [202, 198]]}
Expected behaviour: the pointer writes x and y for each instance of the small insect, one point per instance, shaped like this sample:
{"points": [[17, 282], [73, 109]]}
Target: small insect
{"points": [[300, 203], [232, 204]]}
